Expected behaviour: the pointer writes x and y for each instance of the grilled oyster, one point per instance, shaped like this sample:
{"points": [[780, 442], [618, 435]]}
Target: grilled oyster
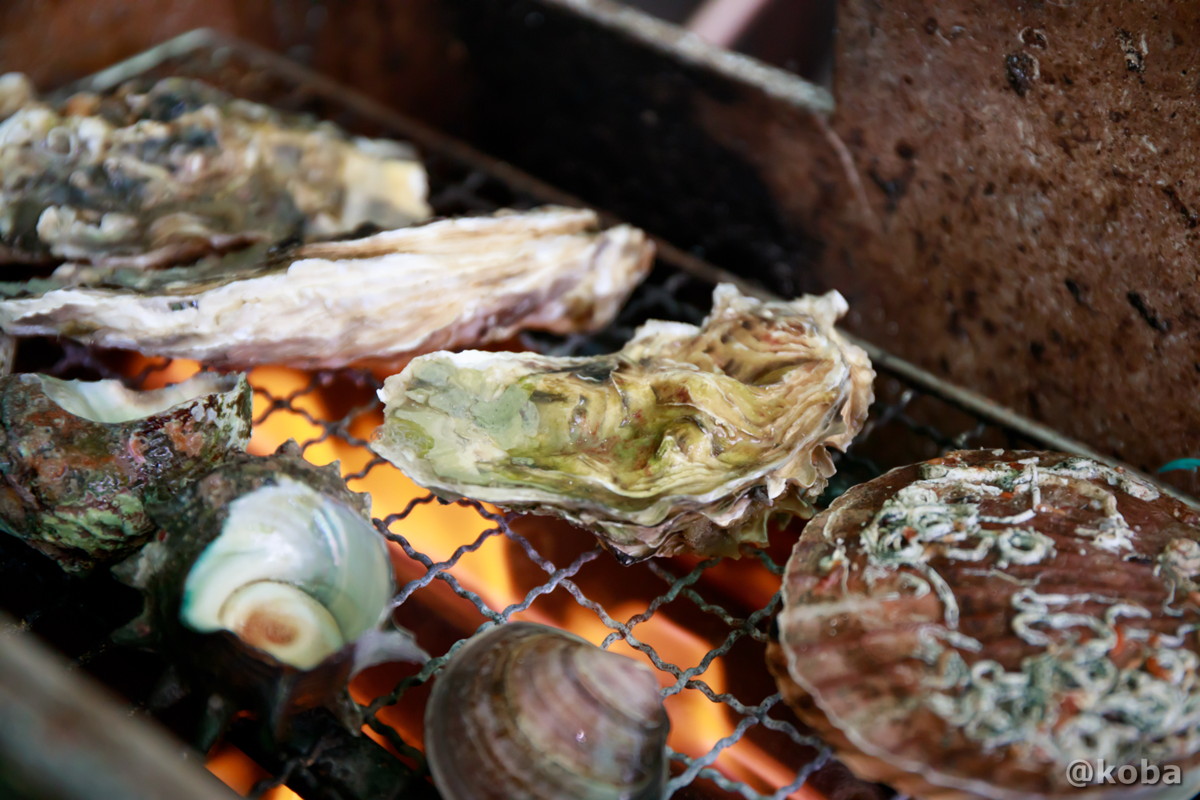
{"points": [[151, 176], [78, 459], [384, 297], [529, 711], [269, 583], [972, 626], [688, 439]]}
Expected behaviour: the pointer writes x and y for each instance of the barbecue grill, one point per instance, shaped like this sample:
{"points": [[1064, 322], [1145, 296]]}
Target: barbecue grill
{"points": [[702, 624]]}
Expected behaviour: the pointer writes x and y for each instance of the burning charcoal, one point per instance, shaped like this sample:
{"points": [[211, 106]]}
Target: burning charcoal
{"points": [[164, 175], [980, 624], [530, 711], [80, 458], [686, 440], [269, 586], [385, 297]]}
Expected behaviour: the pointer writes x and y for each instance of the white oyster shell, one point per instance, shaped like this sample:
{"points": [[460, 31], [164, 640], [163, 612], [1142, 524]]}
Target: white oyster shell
{"points": [[445, 284], [688, 439]]}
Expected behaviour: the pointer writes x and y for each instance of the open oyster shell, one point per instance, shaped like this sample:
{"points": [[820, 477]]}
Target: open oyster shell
{"points": [[970, 626], [688, 439], [529, 711], [147, 176], [78, 459], [448, 283], [269, 582]]}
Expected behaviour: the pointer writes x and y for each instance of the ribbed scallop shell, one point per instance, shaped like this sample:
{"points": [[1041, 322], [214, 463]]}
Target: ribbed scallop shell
{"points": [[78, 458], [529, 711], [686, 440], [970, 626]]}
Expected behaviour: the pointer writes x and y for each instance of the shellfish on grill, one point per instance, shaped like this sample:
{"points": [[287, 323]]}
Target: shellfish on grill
{"points": [[530, 711], [155, 175], [79, 459], [449, 283], [978, 625], [269, 585], [687, 439]]}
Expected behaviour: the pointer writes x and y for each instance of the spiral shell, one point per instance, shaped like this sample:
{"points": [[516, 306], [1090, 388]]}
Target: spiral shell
{"points": [[529, 711], [78, 459], [269, 582]]}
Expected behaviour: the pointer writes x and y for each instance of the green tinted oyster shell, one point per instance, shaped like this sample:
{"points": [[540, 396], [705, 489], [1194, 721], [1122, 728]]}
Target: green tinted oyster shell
{"points": [[687, 440], [150, 175], [269, 581], [78, 459]]}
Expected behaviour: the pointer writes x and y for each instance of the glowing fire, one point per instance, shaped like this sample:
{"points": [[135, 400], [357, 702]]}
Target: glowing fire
{"points": [[437, 530]]}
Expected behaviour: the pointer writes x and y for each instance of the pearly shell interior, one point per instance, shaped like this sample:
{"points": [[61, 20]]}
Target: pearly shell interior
{"points": [[293, 572]]}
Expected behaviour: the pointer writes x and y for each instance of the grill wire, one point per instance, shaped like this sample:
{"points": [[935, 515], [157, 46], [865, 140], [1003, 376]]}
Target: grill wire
{"points": [[906, 424]]}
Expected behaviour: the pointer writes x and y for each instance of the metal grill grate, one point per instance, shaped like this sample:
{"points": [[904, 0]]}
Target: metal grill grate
{"points": [[463, 567]]}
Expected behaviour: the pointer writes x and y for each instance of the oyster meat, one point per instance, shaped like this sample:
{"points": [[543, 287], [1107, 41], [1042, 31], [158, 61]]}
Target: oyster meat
{"points": [[529, 711], [79, 459], [270, 583], [688, 439], [381, 298], [162, 174], [971, 626]]}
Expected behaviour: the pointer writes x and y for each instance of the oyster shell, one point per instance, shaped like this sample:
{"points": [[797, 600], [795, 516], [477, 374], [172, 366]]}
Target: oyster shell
{"points": [[78, 459], [529, 711], [269, 582], [445, 284], [147, 176], [972, 625], [688, 439]]}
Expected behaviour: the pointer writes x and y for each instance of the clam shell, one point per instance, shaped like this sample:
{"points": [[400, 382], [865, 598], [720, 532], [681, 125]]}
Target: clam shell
{"points": [[972, 625], [529, 711], [151, 176], [449, 283], [265, 577], [78, 459], [688, 439]]}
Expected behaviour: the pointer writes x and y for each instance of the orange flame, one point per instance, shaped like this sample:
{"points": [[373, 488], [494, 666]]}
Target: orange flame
{"points": [[438, 530]]}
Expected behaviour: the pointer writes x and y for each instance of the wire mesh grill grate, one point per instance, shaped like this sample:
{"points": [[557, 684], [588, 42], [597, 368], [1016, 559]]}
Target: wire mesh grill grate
{"points": [[703, 624]]}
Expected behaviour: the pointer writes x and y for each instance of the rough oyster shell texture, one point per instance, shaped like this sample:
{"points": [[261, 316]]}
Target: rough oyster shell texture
{"points": [[529, 711], [268, 584], [459, 281], [79, 459], [969, 626], [687, 439], [147, 176]]}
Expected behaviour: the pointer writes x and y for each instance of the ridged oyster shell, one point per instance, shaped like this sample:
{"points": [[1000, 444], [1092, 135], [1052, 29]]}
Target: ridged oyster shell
{"points": [[79, 459], [970, 626], [529, 711], [153, 175], [449, 283], [687, 439], [269, 583]]}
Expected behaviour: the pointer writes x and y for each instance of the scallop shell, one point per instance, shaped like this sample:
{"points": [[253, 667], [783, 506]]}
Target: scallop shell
{"points": [[970, 626], [381, 298], [688, 439], [78, 459], [152, 176], [529, 711], [270, 583]]}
